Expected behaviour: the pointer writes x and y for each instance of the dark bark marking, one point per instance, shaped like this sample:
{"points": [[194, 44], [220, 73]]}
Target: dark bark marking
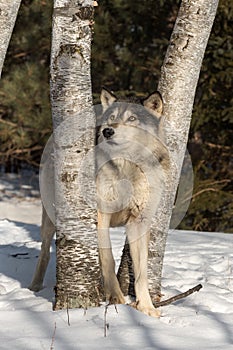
{"points": [[67, 177], [85, 13], [70, 50]]}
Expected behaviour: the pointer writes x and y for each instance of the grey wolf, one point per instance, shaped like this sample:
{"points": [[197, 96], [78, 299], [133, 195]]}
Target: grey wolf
{"points": [[131, 166]]}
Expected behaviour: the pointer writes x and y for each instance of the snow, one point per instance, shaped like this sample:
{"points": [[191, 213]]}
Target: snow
{"points": [[202, 320]]}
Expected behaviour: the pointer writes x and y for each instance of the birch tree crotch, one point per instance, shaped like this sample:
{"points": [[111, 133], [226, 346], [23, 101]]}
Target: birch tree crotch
{"points": [[8, 14], [179, 76], [78, 274]]}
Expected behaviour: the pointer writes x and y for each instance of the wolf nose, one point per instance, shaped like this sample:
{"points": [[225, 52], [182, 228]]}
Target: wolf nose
{"points": [[108, 132]]}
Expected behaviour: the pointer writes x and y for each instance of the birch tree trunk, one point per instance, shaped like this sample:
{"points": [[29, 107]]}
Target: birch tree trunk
{"points": [[78, 274], [8, 13], [177, 85]]}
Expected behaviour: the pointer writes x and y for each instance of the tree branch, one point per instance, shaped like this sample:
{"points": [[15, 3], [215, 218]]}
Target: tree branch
{"points": [[213, 145], [178, 296], [211, 189]]}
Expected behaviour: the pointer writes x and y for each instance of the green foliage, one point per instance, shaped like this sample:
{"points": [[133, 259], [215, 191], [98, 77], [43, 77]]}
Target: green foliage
{"points": [[211, 207], [25, 117], [213, 110], [130, 41]]}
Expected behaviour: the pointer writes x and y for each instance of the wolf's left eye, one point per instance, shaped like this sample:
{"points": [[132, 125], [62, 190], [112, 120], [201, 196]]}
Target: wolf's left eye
{"points": [[132, 118], [112, 117]]}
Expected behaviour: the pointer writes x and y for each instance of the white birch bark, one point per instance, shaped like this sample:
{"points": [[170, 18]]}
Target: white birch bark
{"points": [[78, 274], [177, 85], [8, 13]]}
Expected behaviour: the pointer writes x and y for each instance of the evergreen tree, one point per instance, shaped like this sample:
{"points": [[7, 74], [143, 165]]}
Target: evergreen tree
{"points": [[25, 117], [212, 132], [130, 41]]}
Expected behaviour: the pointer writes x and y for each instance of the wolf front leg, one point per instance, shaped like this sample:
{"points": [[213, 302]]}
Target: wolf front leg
{"points": [[47, 232], [139, 241], [112, 289]]}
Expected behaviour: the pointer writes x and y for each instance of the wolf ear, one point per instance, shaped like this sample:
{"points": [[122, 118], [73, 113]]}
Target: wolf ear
{"points": [[107, 98], [154, 104]]}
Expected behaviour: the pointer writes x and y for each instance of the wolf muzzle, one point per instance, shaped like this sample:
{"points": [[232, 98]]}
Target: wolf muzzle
{"points": [[108, 132]]}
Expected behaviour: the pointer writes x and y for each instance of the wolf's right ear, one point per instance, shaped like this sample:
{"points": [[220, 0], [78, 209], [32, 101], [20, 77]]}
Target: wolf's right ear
{"points": [[107, 98]]}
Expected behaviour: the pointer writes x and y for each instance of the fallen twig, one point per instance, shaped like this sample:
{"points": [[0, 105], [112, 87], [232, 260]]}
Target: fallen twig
{"points": [[67, 310], [106, 324], [53, 337], [178, 296]]}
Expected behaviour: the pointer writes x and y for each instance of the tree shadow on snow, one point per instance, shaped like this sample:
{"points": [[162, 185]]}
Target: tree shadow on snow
{"points": [[18, 260]]}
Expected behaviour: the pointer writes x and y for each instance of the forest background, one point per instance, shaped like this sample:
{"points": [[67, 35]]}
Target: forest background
{"points": [[130, 39]]}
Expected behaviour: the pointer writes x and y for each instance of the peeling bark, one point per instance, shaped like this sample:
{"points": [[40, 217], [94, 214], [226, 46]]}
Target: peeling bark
{"points": [[8, 14]]}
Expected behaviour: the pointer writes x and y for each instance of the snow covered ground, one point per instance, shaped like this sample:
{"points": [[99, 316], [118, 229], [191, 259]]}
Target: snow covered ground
{"points": [[203, 320]]}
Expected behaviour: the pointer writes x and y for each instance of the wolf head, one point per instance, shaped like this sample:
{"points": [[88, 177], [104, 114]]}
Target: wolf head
{"points": [[153, 103], [129, 148], [126, 120]]}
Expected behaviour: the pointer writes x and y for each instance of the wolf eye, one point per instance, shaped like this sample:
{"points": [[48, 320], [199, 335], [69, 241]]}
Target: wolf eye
{"points": [[112, 117], [132, 118]]}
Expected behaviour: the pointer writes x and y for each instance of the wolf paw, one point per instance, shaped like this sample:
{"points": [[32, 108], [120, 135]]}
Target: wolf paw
{"points": [[113, 291], [150, 311], [35, 287], [115, 295], [116, 298]]}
